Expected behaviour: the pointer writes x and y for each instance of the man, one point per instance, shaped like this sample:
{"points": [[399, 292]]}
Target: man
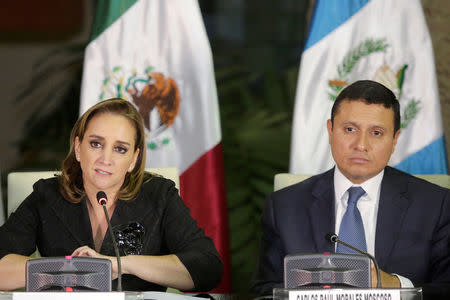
{"points": [[405, 220]]}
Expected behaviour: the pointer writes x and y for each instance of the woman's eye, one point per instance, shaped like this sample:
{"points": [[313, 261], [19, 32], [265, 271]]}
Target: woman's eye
{"points": [[121, 150], [95, 144]]}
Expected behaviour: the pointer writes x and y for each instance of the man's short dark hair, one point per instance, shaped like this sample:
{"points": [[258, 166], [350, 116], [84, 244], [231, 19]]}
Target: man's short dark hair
{"points": [[369, 92]]}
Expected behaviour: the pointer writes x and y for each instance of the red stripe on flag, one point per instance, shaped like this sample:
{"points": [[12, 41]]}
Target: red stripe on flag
{"points": [[202, 187]]}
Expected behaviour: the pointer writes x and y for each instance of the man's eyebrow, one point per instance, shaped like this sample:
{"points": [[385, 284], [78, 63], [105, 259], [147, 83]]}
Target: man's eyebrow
{"points": [[358, 124], [350, 123], [379, 127]]}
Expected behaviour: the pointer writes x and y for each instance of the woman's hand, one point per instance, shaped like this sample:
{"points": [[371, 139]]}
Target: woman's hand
{"points": [[86, 251], [165, 270]]}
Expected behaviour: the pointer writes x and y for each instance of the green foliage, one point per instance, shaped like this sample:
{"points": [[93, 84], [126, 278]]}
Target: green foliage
{"points": [[53, 92], [256, 129]]}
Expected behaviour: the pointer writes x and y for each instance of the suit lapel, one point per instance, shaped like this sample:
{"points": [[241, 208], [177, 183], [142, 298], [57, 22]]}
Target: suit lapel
{"points": [[321, 212], [392, 209]]}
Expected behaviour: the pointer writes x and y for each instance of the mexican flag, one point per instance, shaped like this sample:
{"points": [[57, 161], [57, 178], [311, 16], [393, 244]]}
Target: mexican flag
{"points": [[382, 40], [156, 54]]}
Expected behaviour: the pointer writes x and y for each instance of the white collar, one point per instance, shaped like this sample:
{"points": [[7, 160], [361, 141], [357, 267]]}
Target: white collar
{"points": [[372, 186]]}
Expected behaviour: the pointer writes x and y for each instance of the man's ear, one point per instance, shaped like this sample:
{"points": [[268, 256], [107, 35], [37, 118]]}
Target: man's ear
{"points": [[329, 129], [394, 143]]}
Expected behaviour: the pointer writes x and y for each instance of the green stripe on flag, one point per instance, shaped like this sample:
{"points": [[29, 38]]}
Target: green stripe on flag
{"points": [[107, 12]]}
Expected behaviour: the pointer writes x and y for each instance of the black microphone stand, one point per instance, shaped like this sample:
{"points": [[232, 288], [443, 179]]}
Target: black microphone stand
{"points": [[116, 249], [334, 239]]}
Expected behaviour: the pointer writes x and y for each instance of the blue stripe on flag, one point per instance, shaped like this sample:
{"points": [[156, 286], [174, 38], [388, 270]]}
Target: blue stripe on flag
{"points": [[430, 160], [328, 15]]}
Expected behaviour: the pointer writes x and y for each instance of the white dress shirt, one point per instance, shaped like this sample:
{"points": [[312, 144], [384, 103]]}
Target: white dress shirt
{"points": [[368, 208]]}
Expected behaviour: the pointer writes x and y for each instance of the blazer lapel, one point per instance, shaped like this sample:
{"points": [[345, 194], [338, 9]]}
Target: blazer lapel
{"points": [[321, 212], [392, 209], [75, 219], [126, 212]]}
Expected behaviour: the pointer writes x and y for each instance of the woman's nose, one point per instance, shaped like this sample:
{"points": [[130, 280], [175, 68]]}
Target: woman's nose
{"points": [[107, 156]]}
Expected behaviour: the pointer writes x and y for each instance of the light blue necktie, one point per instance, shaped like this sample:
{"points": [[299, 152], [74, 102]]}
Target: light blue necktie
{"points": [[351, 230]]}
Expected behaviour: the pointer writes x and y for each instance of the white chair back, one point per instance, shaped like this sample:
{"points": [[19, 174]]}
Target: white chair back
{"points": [[20, 184], [169, 173], [439, 179], [283, 180]]}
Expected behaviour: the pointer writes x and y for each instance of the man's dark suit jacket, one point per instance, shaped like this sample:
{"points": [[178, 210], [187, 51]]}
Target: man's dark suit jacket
{"points": [[412, 233]]}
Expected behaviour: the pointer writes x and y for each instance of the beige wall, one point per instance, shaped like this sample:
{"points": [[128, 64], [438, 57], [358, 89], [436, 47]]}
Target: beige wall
{"points": [[437, 13]]}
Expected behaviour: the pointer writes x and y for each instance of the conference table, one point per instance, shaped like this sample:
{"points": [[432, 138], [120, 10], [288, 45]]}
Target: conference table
{"points": [[279, 294], [120, 296]]}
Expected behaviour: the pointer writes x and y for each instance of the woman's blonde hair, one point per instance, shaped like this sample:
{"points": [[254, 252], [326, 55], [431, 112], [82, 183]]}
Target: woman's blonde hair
{"points": [[71, 181]]}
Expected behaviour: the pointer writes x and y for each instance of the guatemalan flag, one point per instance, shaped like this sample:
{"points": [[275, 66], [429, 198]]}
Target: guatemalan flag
{"points": [[382, 40], [156, 54]]}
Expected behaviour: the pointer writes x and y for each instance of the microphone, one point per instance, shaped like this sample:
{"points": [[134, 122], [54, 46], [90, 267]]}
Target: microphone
{"points": [[102, 200], [333, 238]]}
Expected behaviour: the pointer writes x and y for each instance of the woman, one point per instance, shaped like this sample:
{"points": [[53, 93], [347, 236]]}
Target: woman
{"points": [[160, 244]]}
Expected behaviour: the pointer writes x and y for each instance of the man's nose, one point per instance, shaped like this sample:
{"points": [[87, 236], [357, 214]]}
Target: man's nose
{"points": [[362, 142]]}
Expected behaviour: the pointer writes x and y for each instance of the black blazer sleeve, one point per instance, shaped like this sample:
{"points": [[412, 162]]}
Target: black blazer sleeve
{"points": [[19, 233], [189, 243]]}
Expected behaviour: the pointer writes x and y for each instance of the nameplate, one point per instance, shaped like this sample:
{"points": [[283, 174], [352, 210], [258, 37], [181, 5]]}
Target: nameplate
{"points": [[69, 296], [345, 294]]}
